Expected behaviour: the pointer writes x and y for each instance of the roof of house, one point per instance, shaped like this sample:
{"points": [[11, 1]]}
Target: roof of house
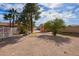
{"points": [[6, 24]]}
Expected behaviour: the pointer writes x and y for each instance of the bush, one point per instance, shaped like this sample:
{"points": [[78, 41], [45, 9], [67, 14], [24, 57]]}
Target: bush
{"points": [[54, 26]]}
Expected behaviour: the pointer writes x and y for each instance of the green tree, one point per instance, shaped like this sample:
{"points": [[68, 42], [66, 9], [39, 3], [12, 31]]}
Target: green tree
{"points": [[55, 26], [47, 26], [31, 11], [13, 14], [8, 17], [22, 24]]}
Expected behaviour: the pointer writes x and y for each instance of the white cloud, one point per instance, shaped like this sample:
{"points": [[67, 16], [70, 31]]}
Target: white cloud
{"points": [[19, 7], [52, 14], [68, 15], [7, 6], [51, 5]]}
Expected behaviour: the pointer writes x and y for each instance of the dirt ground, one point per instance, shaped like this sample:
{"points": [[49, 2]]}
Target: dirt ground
{"points": [[40, 44]]}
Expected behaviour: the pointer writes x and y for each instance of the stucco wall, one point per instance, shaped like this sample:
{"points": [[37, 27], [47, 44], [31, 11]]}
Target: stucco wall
{"points": [[72, 29]]}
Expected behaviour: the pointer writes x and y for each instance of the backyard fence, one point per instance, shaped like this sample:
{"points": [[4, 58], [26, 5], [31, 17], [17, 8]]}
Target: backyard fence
{"points": [[7, 32]]}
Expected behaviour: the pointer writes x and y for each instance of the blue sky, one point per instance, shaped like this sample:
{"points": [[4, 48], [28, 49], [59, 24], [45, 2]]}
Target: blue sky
{"points": [[69, 12]]}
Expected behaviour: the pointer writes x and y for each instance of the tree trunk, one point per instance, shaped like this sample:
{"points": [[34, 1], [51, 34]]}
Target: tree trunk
{"points": [[31, 23], [54, 33], [10, 23], [13, 21]]}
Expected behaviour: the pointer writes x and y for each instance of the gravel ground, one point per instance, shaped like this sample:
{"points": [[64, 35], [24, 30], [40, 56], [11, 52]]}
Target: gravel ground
{"points": [[40, 44]]}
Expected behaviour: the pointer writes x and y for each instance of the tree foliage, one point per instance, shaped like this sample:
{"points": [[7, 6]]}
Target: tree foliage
{"points": [[55, 26], [31, 11], [11, 15], [25, 19], [8, 17], [47, 26]]}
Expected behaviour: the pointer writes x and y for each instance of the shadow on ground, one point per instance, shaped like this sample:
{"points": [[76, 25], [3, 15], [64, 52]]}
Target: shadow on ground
{"points": [[9, 40], [58, 39]]}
